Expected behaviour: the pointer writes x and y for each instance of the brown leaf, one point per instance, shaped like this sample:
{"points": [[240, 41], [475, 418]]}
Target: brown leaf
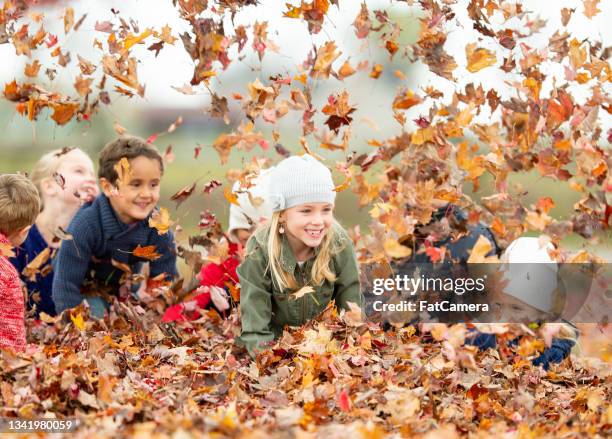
{"points": [[33, 268], [183, 194]]}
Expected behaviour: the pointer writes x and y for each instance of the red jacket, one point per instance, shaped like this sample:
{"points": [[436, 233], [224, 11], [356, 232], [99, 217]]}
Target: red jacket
{"points": [[12, 306]]}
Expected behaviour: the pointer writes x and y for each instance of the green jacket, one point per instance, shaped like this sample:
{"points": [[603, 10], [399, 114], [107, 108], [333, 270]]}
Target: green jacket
{"points": [[265, 309]]}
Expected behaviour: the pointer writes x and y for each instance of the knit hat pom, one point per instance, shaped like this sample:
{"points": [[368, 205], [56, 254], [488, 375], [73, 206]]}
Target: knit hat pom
{"points": [[300, 180]]}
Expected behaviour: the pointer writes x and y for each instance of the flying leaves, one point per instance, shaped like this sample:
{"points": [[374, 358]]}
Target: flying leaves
{"points": [[160, 220]]}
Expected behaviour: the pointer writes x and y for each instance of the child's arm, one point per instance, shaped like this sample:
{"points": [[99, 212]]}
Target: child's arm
{"points": [[255, 300], [347, 287], [164, 245], [71, 263], [565, 338]]}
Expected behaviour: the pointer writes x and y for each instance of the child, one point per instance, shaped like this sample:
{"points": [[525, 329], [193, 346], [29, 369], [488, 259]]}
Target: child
{"points": [[529, 295], [65, 179], [301, 246], [19, 205], [252, 209], [107, 231]]}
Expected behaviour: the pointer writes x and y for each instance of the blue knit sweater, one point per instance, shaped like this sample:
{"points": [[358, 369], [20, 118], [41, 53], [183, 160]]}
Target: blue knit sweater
{"points": [[99, 237]]}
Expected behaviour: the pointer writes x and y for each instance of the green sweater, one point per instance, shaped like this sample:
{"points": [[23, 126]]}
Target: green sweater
{"points": [[265, 309]]}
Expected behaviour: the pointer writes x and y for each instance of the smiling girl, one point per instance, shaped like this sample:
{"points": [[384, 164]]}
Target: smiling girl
{"points": [[300, 246], [65, 179]]}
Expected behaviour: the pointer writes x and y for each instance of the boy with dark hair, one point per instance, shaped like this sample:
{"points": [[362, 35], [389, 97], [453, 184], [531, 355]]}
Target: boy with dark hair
{"points": [[101, 255], [19, 206]]}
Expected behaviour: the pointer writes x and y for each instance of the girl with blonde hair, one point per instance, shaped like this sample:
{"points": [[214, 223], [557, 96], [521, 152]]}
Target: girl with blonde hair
{"points": [[299, 260], [65, 179]]}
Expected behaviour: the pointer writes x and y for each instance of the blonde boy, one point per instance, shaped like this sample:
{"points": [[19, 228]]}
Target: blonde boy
{"points": [[19, 206]]}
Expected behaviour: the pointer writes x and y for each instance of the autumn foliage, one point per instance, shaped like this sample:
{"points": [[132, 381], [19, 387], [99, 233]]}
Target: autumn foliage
{"points": [[337, 375]]}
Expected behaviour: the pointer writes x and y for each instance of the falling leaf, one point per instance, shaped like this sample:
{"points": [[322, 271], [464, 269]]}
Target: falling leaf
{"points": [[230, 196], [104, 26], [395, 250], [590, 8], [211, 186], [168, 157], [377, 70], [177, 123], [478, 59], [345, 70], [148, 252], [68, 19], [479, 252], [405, 100], [83, 85], [31, 70], [183, 194], [35, 265], [160, 220], [131, 40], [118, 128]]}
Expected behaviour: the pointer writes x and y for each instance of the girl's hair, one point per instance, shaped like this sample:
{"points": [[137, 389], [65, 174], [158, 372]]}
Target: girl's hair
{"points": [[320, 269], [46, 166]]}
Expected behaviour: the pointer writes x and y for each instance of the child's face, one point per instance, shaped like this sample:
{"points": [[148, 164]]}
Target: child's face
{"points": [[78, 172], [135, 198], [509, 309], [308, 223]]}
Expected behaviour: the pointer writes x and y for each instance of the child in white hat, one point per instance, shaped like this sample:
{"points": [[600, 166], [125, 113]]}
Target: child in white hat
{"points": [[299, 260], [531, 291]]}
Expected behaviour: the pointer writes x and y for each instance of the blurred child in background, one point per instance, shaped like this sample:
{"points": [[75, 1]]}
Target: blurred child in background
{"points": [[65, 179]]}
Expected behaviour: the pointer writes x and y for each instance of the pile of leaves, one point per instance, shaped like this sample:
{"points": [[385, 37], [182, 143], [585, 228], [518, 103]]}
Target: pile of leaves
{"points": [[337, 375]]}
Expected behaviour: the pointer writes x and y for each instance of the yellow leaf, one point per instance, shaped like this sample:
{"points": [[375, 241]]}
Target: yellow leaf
{"points": [[78, 321], [465, 116], [480, 250], [345, 70], [130, 40], [230, 196], [421, 136], [160, 220], [395, 249], [478, 59]]}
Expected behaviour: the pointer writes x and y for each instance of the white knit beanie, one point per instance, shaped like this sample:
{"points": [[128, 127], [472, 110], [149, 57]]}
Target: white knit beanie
{"points": [[531, 273], [300, 180]]}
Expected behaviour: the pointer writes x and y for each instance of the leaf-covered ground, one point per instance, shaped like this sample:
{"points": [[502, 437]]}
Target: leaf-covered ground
{"points": [[335, 377]]}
